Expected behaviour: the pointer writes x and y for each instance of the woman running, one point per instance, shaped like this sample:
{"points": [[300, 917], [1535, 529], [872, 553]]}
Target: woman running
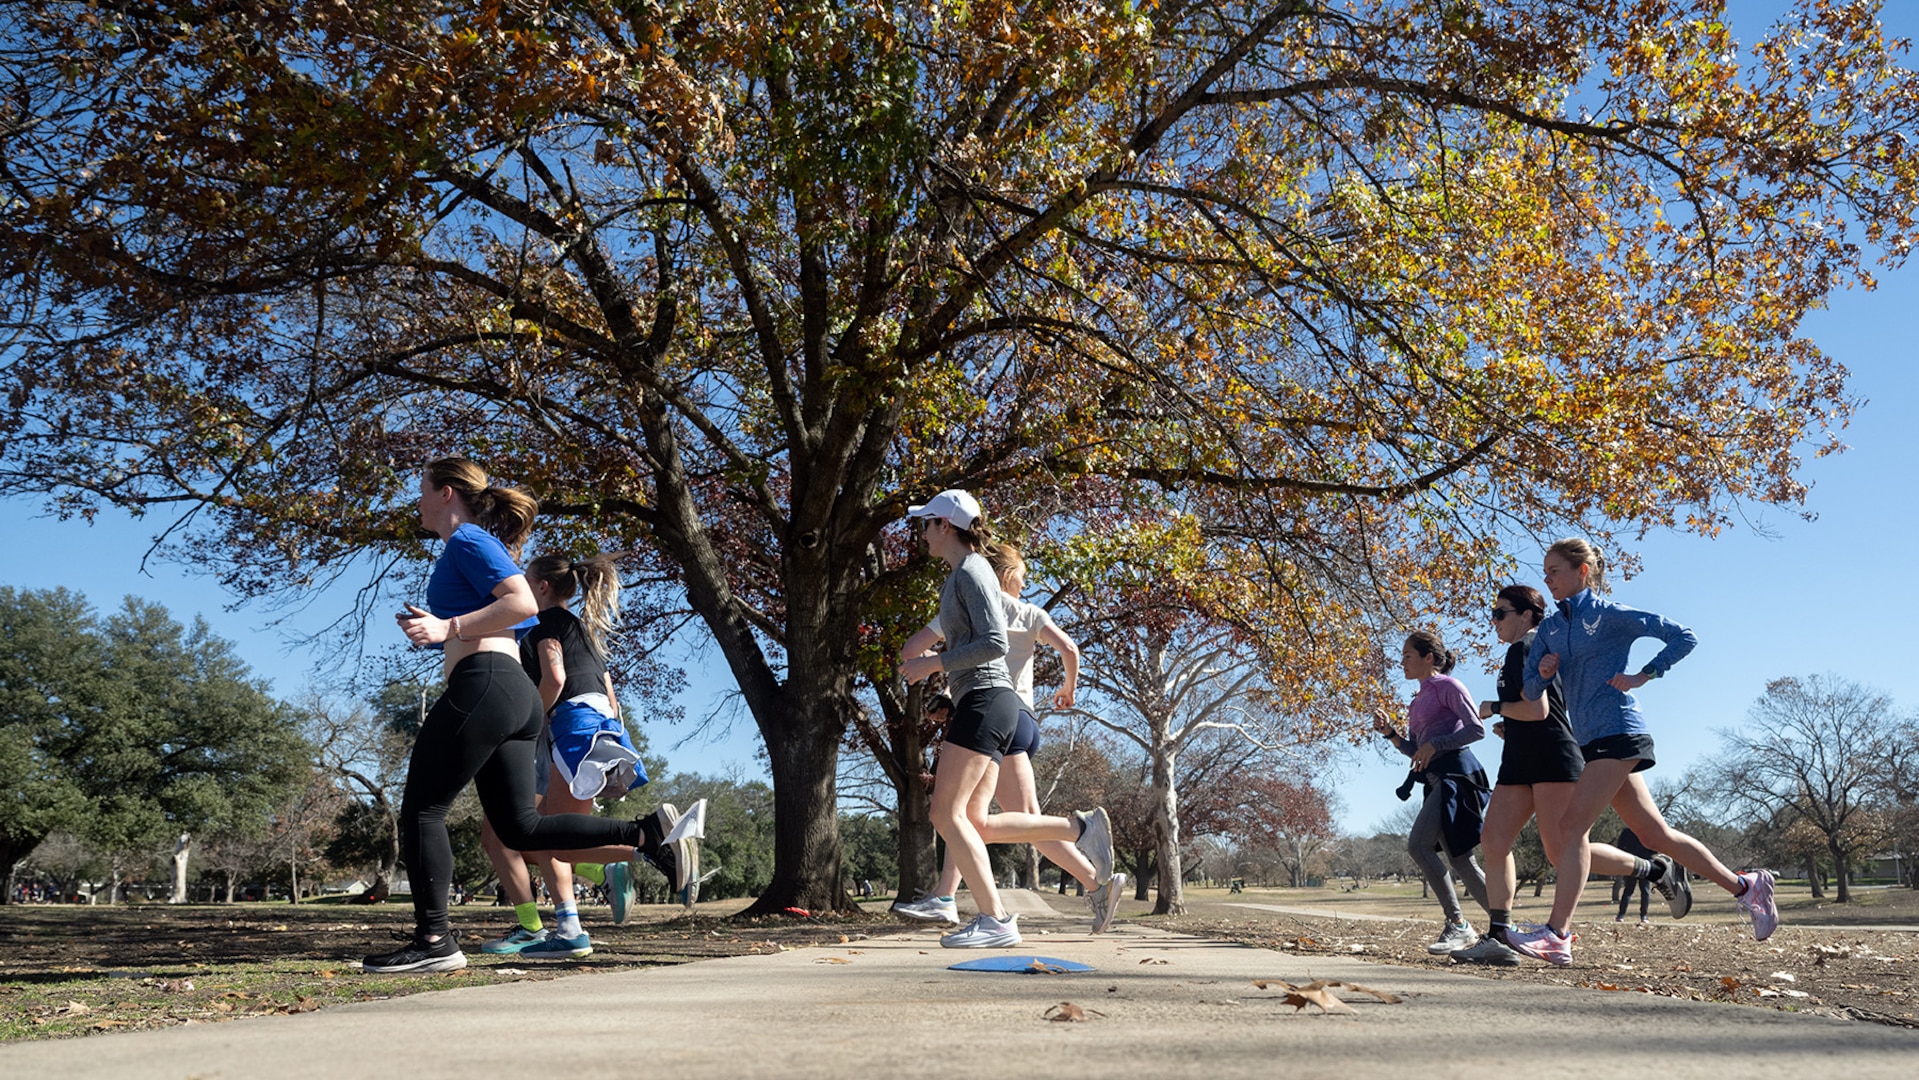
{"points": [[584, 753], [1440, 723], [1586, 643], [484, 726], [972, 619], [1537, 769], [1026, 626]]}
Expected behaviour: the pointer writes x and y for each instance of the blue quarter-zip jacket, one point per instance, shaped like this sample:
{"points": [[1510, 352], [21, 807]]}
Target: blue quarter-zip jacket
{"points": [[1593, 638]]}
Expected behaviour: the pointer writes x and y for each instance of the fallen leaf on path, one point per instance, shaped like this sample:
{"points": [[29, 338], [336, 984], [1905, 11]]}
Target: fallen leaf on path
{"points": [[832, 960], [1321, 997], [305, 1004], [1153, 960], [1068, 1013], [1782, 976], [75, 1008], [1730, 983]]}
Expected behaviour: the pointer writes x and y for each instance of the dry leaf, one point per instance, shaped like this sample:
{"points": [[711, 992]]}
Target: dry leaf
{"points": [[1782, 976], [326, 973], [1388, 998], [1152, 960], [109, 1023], [75, 1008], [1068, 1013], [1321, 997], [1041, 967], [1730, 983], [832, 960]]}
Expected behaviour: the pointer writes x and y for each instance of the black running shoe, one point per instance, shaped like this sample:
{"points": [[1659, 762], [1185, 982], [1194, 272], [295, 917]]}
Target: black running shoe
{"points": [[1672, 885], [417, 955]]}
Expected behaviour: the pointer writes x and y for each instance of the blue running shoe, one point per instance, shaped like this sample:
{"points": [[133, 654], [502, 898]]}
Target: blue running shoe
{"points": [[556, 947], [620, 894], [519, 939]]}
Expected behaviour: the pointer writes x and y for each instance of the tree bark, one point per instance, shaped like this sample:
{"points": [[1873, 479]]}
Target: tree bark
{"points": [[1812, 877], [1842, 878], [802, 755], [1143, 862], [1166, 833], [181, 848]]}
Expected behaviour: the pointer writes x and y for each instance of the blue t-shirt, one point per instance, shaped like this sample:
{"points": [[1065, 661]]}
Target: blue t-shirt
{"points": [[472, 566]]}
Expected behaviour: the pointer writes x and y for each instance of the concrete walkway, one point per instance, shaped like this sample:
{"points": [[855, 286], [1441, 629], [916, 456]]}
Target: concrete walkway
{"points": [[1168, 1005]]}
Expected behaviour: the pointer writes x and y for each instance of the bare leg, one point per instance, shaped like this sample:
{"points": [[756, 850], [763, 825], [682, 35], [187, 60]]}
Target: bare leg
{"points": [[1591, 795], [1506, 814], [556, 868], [957, 782], [1637, 809], [1018, 793], [510, 865], [1551, 800]]}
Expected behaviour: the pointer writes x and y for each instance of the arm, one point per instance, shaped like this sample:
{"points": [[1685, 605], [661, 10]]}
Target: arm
{"points": [[552, 674], [512, 605], [1384, 725], [1679, 641], [1068, 659], [607, 678], [1454, 700], [988, 619], [917, 659], [1523, 709]]}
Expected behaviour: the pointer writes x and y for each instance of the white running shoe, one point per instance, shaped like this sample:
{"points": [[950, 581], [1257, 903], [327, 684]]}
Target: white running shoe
{"points": [[1104, 902], [984, 932], [1456, 936], [928, 909], [1096, 841]]}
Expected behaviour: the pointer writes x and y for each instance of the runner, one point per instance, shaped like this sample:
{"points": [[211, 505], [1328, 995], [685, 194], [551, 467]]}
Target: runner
{"points": [[1537, 768], [1586, 642], [1440, 723], [1026, 626], [972, 619], [585, 754], [485, 724]]}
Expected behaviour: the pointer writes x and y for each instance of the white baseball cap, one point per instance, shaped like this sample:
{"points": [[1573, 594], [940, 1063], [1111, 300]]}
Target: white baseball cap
{"points": [[955, 506]]}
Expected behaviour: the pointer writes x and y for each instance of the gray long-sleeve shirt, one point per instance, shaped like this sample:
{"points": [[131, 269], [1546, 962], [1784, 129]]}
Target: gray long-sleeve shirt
{"points": [[973, 622]]}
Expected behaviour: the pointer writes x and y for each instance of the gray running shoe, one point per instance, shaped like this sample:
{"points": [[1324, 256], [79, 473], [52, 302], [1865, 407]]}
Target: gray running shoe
{"points": [[1096, 841], [985, 932], [1104, 902], [1455, 936], [1490, 950], [928, 909], [1672, 885]]}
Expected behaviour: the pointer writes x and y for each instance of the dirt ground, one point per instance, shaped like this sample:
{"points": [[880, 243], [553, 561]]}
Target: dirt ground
{"points": [[70, 970], [1854, 971]]}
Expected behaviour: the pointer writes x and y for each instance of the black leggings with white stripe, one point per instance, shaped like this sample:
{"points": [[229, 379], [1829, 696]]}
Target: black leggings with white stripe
{"points": [[483, 729]]}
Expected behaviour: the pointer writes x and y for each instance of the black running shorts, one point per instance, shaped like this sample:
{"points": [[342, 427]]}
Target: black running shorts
{"points": [[1539, 752], [1621, 748], [985, 721]]}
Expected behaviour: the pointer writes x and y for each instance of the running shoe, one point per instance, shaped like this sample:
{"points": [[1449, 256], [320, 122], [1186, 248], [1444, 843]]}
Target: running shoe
{"points": [[678, 858], [1104, 902], [620, 895], [1672, 885], [518, 939], [1489, 950], [984, 932], [1456, 936], [417, 955], [928, 909], [1542, 943], [1757, 903], [1096, 841], [556, 947]]}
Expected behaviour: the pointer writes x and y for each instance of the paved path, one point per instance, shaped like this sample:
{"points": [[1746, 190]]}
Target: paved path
{"points": [[1174, 1006]]}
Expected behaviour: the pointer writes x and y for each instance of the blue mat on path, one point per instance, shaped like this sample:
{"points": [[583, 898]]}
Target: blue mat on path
{"points": [[1024, 965]]}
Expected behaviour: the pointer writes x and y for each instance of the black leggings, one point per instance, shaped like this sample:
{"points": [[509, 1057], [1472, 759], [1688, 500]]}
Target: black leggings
{"points": [[483, 729]]}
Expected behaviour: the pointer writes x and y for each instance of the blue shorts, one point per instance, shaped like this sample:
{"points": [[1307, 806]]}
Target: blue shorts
{"points": [[592, 751], [1025, 735]]}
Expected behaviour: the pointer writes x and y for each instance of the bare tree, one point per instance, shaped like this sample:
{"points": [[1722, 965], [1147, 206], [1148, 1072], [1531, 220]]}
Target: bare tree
{"points": [[1814, 752], [1161, 686], [366, 752]]}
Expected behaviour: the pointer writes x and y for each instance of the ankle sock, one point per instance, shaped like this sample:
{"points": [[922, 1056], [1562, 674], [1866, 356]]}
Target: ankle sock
{"points": [[1745, 885], [1643, 868], [591, 871], [568, 917], [529, 916]]}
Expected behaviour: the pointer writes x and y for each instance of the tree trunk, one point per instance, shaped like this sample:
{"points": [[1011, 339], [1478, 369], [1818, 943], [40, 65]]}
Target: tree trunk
{"points": [[293, 881], [1812, 877], [1842, 878], [181, 848], [113, 885], [13, 848], [901, 750], [803, 754], [1143, 864], [1172, 899], [1031, 869]]}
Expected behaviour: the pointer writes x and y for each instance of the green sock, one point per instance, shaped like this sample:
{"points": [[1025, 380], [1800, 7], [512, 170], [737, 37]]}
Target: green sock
{"points": [[591, 871], [529, 915]]}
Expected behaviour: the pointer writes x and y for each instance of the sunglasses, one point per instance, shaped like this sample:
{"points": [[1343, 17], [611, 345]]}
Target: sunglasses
{"points": [[1501, 612]]}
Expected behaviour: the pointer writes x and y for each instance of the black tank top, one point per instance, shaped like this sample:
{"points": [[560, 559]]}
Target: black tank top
{"points": [[585, 671]]}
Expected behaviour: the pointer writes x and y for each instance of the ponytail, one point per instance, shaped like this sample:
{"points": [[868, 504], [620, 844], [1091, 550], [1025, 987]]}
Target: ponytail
{"points": [[979, 538], [505, 512], [597, 583]]}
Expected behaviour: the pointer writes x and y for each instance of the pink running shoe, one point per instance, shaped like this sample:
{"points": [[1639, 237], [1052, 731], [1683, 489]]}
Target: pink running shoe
{"points": [[1541, 942], [1757, 903]]}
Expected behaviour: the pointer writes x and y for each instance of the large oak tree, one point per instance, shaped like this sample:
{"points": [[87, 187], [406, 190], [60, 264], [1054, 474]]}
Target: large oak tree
{"points": [[1340, 293]]}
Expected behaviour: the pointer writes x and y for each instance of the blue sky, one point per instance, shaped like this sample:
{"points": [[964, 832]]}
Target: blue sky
{"points": [[1811, 598]]}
